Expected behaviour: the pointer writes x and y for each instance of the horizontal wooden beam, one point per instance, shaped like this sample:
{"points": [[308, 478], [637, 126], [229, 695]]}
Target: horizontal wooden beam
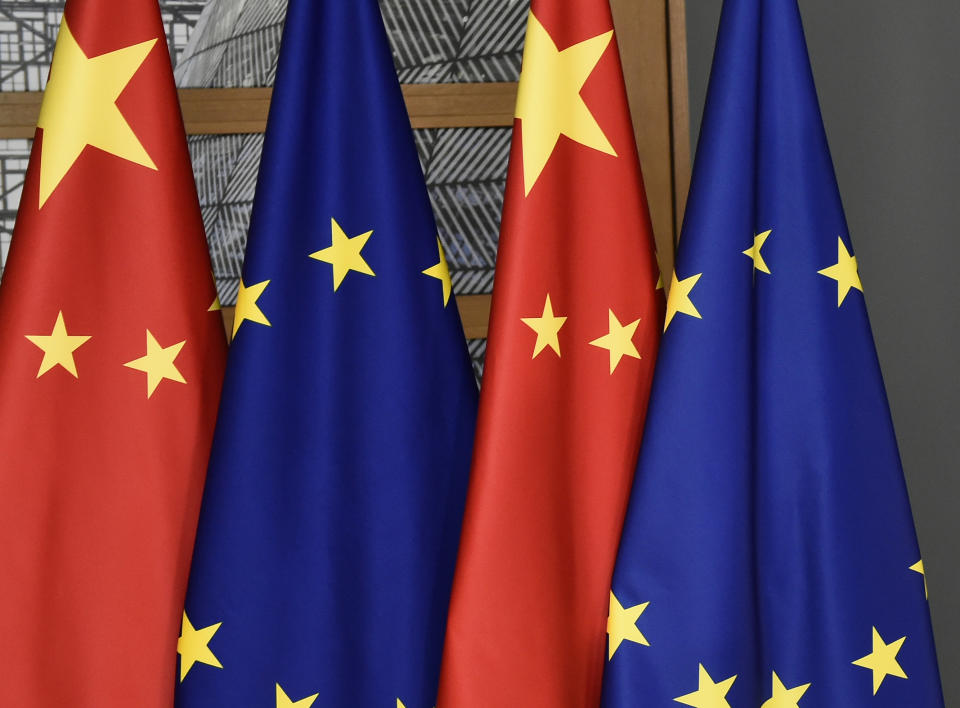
{"points": [[244, 110], [474, 313], [18, 113], [461, 105]]}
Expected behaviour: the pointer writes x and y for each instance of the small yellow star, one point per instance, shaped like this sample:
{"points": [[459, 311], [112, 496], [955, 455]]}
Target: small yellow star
{"points": [[158, 363], [344, 254], [844, 272], [918, 568], [678, 300], [548, 100], [247, 308], [441, 272], [622, 625], [283, 701], [754, 252], [784, 697], [193, 646], [709, 694], [882, 660], [58, 347], [619, 341], [79, 108], [547, 328]]}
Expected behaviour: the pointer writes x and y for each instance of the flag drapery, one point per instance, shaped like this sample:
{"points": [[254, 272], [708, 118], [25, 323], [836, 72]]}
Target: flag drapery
{"points": [[768, 556], [112, 362], [572, 343], [329, 526]]}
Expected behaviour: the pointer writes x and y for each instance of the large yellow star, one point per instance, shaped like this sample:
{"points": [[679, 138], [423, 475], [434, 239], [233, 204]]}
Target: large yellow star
{"points": [[79, 108], [844, 272], [678, 299], [709, 694], [918, 568], [882, 660], [619, 341], [547, 327], [283, 701], [548, 100], [193, 646], [441, 272], [784, 697], [754, 252], [622, 625], [58, 347], [344, 254], [158, 363], [247, 307]]}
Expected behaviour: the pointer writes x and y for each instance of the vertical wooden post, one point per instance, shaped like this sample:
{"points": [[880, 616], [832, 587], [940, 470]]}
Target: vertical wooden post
{"points": [[652, 39], [679, 109]]}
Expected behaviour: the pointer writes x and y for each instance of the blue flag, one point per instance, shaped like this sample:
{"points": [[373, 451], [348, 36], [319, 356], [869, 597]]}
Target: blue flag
{"points": [[769, 557], [332, 511]]}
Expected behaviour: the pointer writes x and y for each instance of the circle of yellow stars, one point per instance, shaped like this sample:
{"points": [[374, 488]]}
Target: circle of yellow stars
{"points": [[881, 661], [193, 646], [844, 272], [344, 255]]}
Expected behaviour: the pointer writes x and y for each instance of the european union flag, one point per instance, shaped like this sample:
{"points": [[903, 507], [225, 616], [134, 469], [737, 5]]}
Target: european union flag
{"points": [[769, 557], [333, 505]]}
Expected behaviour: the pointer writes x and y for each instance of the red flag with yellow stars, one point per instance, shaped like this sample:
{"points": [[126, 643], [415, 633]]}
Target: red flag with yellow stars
{"points": [[112, 356], [573, 339]]}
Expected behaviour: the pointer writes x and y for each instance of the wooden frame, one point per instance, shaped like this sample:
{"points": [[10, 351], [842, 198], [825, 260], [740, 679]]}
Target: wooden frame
{"points": [[244, 110], [652, 38]]}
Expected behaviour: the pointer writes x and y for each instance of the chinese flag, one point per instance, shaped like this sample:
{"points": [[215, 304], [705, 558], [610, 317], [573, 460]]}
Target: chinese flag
{"points": [[112, 354], [573, 339]]}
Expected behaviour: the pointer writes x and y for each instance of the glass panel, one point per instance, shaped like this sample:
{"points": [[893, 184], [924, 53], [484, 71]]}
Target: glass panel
{"points": [[478, 353], [14, 156], [456, 40], [28, 32], [234, 44], [434, 41]]}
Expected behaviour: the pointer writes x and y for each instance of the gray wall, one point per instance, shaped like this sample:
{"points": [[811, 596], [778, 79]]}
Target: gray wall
{"points": [[888, 74]]}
